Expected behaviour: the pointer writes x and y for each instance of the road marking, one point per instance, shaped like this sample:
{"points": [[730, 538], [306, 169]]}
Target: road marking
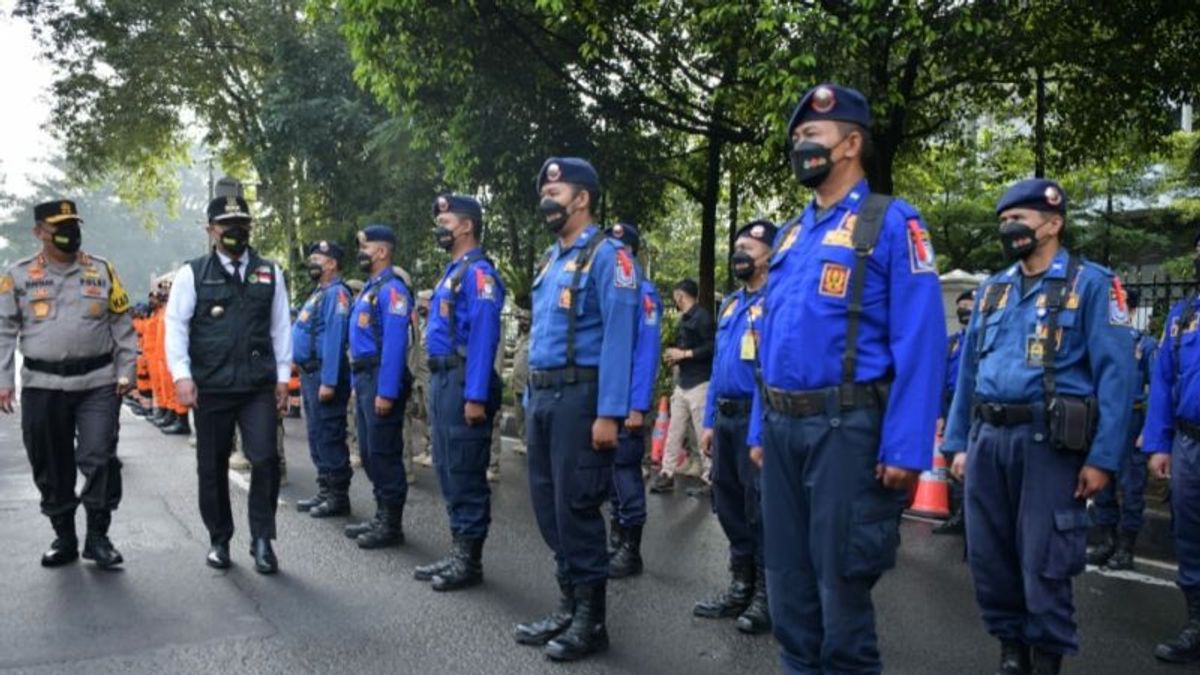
{"points": [[240, 480]]}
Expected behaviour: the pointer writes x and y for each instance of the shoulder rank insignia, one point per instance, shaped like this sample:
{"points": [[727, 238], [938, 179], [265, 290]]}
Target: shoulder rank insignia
{"points": [[730, 308]]}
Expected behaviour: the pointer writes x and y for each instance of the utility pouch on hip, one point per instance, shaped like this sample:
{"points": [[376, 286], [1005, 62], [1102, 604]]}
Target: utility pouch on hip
{"points": [[1073, 423]]}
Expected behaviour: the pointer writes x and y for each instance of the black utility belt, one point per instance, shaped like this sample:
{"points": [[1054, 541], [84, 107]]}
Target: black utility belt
{"points": [[1070, 421], [366, 363], [734, 407], [1189, 429], [440, 364], [820, 401], [1140, 406], [556, 377], [69, 367]]}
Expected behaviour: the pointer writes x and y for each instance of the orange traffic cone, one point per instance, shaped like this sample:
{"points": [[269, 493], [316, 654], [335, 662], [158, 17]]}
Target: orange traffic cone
{"points": [[933, 491], [659, 438]]}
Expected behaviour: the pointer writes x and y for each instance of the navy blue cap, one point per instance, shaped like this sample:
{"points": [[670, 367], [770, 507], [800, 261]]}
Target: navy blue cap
{"points": [[1034, 193], [458, 204], [762, 230], [569, 170], [232, 207], [56, 212], [326, 248], [968, 294], [377, 233], [626, 233], [831, 102]]}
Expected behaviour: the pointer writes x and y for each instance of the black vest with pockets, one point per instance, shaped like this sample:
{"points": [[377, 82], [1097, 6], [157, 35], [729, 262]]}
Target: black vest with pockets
{"points": [[230, 333]]}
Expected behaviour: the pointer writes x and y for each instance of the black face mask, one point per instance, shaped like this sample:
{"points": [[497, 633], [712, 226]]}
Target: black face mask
{"points": [[1010, 232], [67, 237], [236, 239], [742, 264], [553, 214], [364, 261], [964, 317], [445, 237], [315, 271]]}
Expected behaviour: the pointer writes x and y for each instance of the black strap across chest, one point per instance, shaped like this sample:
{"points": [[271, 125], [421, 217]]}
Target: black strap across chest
{"points": [[866, 235], [581, 262], [1056, 294], [456, 280]]}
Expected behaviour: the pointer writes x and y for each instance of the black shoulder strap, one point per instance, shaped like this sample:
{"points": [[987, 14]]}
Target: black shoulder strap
{"points": [[866, 234], [1056, 293], [1185, 317], [456, 280], [581, 262]]}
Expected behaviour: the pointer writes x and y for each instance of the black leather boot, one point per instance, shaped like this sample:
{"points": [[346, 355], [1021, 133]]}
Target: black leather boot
{"points": [[389, 531], [308, 503], [65, 547], [627, 561], [735, 599], [1122, 557], [97, 546], [1185, 647], [465, 568], [1046, 663], [616, 533], [756, 620], [1014, 658], [545, 629], [1101, 552], [952, 525], [587, 633], [336, 502], [428, 572], [177, 427], [167, 418], [265, 561], [355, 530]]}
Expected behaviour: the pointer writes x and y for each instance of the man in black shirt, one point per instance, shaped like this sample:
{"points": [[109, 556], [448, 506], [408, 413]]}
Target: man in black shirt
{"points": [[692, 359]]}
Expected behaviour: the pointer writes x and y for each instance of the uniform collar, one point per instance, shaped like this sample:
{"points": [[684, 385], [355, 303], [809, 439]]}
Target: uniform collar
{"points": [[1056, 270], [464, 256], [337, 279], [851, 202], [382, 276], [582, 240]]}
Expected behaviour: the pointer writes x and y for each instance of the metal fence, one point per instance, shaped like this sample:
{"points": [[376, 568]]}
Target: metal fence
{"points": [[1157, 292]]}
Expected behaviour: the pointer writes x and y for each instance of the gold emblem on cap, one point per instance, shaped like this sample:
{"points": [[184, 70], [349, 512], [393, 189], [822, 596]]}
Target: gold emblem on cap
{"points": [[443, 204], [217, 311], [553, 172], [1053, 197], [65, 208], [823, 100]]}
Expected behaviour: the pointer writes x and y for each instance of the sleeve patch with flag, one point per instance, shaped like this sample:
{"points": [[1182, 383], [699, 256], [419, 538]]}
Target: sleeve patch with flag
{"points": [[343, 302], [920, 249], [396, 303], [623, 276], [649, 310], [485, 285], [1118, 306]]}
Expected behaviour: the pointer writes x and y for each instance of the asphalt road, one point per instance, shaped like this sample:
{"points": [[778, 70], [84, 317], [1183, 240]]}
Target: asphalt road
{"points": [[336, 609]]}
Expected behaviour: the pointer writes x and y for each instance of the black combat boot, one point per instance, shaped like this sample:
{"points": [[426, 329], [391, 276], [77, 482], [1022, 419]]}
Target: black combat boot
{"points": [[627, 561], [97, 547], [587, 633], [465, 568], [355, 530], [156, 416], [952, 525], [545, 629], [1100, 553], [177, 427], [1122, 558], [428, 572], [388, 532], [616, 534], [165, 420], [756, 620], [336, 502], [1014, 658], [1185, 647], [65, 548], [307, 504], [736, 598], [1045, 663]]}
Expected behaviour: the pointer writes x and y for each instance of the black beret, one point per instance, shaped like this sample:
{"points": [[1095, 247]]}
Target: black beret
{"points": [[762, 230], [569, 170], [1034, 193], [831, 102], [458, 204], [968, 294], [327, 248], [377, 233], [56, 212], [232, 207], [626, 233]]}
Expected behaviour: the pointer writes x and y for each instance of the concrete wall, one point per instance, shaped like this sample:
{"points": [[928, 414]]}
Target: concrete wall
{"points": [[954, 283]]}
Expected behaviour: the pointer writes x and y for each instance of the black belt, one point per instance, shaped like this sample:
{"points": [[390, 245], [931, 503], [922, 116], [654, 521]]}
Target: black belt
{"points": [[1189, 429], [310, 366], [70, 367], [359, 365], [1006, 414], [734, 407], [819, 401], [1140, 406], [556, 377], [438, 364]]}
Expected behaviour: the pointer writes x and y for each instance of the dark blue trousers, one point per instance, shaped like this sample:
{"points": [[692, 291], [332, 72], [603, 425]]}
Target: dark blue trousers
{"points": [[831, 530], [1128, 513], [629, 490], [1026, 534], [568, 480], [380, 441], [735, 488], [1185, 510], [461, 453], [326, 425]]}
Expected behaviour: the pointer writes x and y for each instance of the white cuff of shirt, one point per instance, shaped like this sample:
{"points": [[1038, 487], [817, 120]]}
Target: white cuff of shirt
{"points": [[181, 371], [283, 373]]}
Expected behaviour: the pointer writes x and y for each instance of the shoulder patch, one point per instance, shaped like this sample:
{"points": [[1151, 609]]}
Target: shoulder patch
{"points": [[649, 310], [920, 248], [835, 280], [485, 284], [343, 302], [624, 275], [397, 304], [730, 309], [1118, 306], [6, 284], [118, 299]]}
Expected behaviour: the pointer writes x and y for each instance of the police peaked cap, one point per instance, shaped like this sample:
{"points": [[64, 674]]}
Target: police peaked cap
{"points": [[56, 212], [831, 102], [626, 233], [1034, 193], [378, 233], [569, 170], [762, 230], [327, 248], [232, 207], [460, 205]]}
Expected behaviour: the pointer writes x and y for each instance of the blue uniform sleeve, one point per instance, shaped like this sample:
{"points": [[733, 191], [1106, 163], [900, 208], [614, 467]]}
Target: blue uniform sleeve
{"points": [[1159, 433], [958, 419], [645, 352], [335, 314], [917, 339], [1110, 345], [710, 402], [617, 291], [484, 297], [394, 306], [754, 434]]}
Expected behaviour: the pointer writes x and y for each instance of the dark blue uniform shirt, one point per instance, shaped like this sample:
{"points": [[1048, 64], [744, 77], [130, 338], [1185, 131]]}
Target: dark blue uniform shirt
{"points": [[645, 350], [319, 333], [736, 357], [379, 323], [477, 308]]}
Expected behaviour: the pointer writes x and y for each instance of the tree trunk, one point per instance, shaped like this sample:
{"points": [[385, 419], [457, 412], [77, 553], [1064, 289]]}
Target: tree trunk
{"points": [[1039, 127], [708, 220], [733, 224]]}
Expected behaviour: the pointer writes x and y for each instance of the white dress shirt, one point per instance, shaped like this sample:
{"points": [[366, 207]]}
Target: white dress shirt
{"points": [[182, 305]]}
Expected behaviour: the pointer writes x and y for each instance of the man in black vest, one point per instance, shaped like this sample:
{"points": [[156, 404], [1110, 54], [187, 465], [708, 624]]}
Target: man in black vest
{"points": [[229, 349]]}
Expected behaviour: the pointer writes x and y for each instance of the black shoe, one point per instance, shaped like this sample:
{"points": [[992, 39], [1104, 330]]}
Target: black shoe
{"points": [[756, 620], [700, 492], [336, 504], [98, 549], [428, 572], [1100, 553], [587, 633], [179, 427], [356, 530], [155, 415], [166, 419], [539, 632], [265, 561], [388, 531], [1185, 647], [615, 534], [736, 599], [218, 557], [662, 483], [307, 504], [1046, 663], [1122, 557], [61, 552], [952, 525], [627, 561], [1014, 658], [465, 569]]}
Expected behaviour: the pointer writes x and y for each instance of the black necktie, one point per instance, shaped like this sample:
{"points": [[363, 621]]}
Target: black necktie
{"points": [[237, 278]]}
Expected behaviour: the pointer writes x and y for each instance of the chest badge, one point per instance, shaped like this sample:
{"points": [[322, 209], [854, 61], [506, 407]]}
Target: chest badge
{"points": [[835, 280], [217, 312]]}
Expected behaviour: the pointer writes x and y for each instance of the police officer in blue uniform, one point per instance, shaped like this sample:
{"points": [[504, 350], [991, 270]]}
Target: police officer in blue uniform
{"points": [[852, 366], [628, 503], [461, 337], [1044, 396], [964, 303], [1172, 440], [585, 312], [379, 325], [319, 351], [735, 479], [1120, 522]]}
